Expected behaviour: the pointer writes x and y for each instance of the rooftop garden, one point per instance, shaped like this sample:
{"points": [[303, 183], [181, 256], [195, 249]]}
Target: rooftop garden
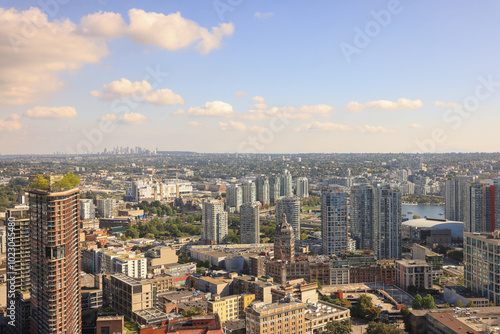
{"points": [[55, 183]]}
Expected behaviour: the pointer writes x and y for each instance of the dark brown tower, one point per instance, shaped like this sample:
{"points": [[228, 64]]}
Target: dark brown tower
{"points": [[284, 241], [55, 259]]}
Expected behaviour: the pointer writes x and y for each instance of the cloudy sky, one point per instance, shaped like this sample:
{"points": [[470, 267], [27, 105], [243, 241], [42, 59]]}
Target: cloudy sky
{"points": [[249, 76]]}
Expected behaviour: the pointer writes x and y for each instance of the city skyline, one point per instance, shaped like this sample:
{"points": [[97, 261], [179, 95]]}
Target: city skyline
{"points": [[248, 77]]}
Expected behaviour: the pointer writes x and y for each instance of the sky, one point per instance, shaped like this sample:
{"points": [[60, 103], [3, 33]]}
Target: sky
{"points": [[245, 76]]}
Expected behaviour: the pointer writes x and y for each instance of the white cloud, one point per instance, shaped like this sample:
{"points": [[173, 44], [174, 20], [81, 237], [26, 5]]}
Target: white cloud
{"points": [[322, 126], [401, 103], [134, 118], [374, 129], [195, 124], [142, 90], [260, 15], [414, 126], [256, 128], [213, 108], [51, 112], [233, 126], [11, 123], [260, 110], [240, 93], [317, 109], [103, 24], [35, 51], [172, 32], [259, 99], [447, 105], [109, 117]]}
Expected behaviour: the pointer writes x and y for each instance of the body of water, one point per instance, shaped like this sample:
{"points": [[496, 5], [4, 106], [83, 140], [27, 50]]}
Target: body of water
{"points": [[431, 211]]}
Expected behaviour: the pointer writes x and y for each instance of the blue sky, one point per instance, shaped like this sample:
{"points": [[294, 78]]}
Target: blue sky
{"points": [[423, 78]]}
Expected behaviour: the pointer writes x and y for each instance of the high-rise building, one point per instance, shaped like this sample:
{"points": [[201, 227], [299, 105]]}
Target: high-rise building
{"points": [[334, 220], [55, 257], [290, 206], [286, 185], [249, 192], [262, 183], [214, 228], [249, 223], [18, 226], [234, 197], [388, 243], [87, 209], [376, 220], [403, 175], [455, 197], [105, 207], [364, 216], [302, 187], [481, 260], [482, 207], [274, 188]]}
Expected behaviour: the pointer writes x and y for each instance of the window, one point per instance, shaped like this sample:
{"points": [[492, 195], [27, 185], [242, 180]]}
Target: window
{"points": [[105, 330]]}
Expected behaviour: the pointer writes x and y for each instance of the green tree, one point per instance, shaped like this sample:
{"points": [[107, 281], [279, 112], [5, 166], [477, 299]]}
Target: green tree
{"points": [[364, 308], [470, 304], [405, 312], [303, 236], [192, 311], [417, 303], [338, 327], [428, 302], [150, 236], [381, 328], [459, 304]]}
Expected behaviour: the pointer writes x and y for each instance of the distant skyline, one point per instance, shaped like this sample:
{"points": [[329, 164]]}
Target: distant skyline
{"points": [[249, 76]]}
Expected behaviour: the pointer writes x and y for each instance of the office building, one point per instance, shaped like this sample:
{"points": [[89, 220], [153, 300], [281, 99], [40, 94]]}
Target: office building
{"points": [[274, 188], [415, 273], [234, 197], [130, 295], [18, 223], [55, 256], [214, 228], [110, 260], [249, 192], [230, 307], [249, 223], [262, 184], [334, 220], [286, 185], [285, 317], [482, 264], [302, 187], [290, 206]]}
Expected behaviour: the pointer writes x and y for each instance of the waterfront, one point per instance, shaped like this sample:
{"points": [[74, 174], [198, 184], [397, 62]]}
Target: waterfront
{"points": [[431, 211]]}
